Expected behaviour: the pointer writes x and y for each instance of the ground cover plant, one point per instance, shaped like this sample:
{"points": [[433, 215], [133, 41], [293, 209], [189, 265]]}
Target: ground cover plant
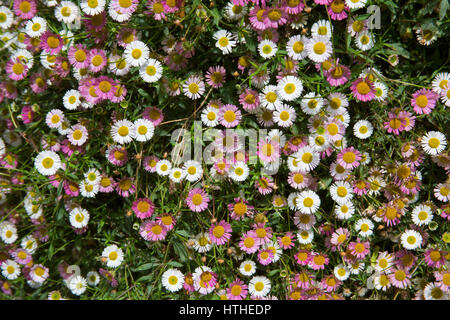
{"points": [[243, 149]]}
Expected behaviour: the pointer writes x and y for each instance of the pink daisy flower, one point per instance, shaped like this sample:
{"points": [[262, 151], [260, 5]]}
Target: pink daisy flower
{"points": [[400, 278], [424, 101], [156, 9], [38, 82], [394, 124], [339, 237], [204, 280], [293, 7], [125, 7], [71, 188], [97, 60], [256, 17], [77, 135], [405, 259], [25, 9], [298, 180], [304, 279], [240, 208], [120, 93], [265, 257], [150, 163], [152, 231], [21, 256], [363, 89], [263, 233], [154, 114], [167, 220], [330, 283], [117, 155], [105, 88], [188, 284], [318, 261], [68, 148], [78, 56], [215, 76], [95, 23], [286, 241], [197, 200], [170, 6], [109, 277], [237, 290], [143, 208], [268, 34], [268, 151], [443, 279], [39, 273], [51, 43], [107, 184], [324, 2], [275, 17], [338, 10], [125, 187], [407, 119], [361, 187], [249, 99], [359, 249], [338, 75], [249, 242], [229, 115], [349, 158], [61, 67], [27, 114], [16, 70], [435, 258], [220, 233], [264, 185]]}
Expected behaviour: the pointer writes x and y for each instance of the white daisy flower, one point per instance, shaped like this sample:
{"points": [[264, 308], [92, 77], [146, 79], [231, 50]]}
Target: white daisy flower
{"points": [[118, 65], [193, 170], [267, 49], [144, 130], [322, 28], [71, 99], [284, 115], [311, 104], [54, 118], [92, 176], [295, 47], [47, 162], [384, 261], [202, 242], [355, 4], [6, 18], [289, 88], [92, 7], [88, 190], [172, 280], [364, 227], [411, 239], [35, 27], [308, 202], [433, 291], [247, 268], [269, 98], [441, 82], [433, 142], [305, 236], [345, 211], [422, 215], [117, 15], [341, 192], [29, 243], [10, 269], [319, 49], [319, 142], [381, 91], [194, 87], [307, 158], [113, 255], [66, 12], [77, 285], [234, 12], [259, 286], [163, 167], [176, 175], [151, 71], [210, 116], [239, 171], [136, 53], [225, 41], [341, 272], [364, 40], [363, 129], [93, 278], [123, 131], [8, 232], [79, 217]]}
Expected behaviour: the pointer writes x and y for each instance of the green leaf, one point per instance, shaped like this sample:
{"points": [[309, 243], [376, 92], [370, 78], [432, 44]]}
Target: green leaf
{"points": [[443, 9], [145, 266]]}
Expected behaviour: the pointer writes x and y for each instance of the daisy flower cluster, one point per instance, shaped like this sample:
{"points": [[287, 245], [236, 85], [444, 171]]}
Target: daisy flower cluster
{"points": [[237, 149]]}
